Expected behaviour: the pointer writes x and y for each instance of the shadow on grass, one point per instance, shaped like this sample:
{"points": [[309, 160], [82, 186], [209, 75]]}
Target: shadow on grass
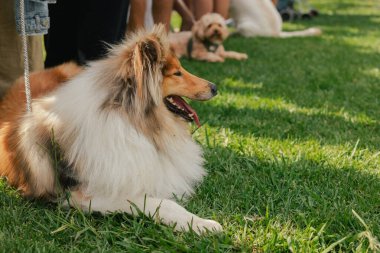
{"points": [[283, 124], [311, 73], [345, 5], [305, 192], [32, 225], [339, 23], [322, 73]]}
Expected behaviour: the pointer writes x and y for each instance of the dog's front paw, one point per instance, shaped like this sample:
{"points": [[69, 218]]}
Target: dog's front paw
{"points": [[315, 31], [215, 59], [202, 225], [243, 57]]}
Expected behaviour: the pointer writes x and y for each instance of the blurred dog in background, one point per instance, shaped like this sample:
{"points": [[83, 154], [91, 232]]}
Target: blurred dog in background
{"points": [[205, 41], [261, 18]]}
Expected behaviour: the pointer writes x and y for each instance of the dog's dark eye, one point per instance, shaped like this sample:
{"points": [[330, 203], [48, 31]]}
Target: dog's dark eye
{"points": [[178, 73], [219, 25], [209, 26]]}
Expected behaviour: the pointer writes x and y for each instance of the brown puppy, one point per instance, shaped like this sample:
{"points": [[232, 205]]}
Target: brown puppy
{"points": [[205, 40]]}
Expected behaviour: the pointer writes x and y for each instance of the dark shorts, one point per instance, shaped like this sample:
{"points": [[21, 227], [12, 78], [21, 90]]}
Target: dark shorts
{"points": [[80, 30]]}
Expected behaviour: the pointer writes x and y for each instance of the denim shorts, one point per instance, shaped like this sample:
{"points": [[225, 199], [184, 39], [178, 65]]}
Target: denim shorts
{"points": [[36, 16]]}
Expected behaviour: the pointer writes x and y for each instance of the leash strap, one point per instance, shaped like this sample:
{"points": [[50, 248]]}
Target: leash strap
{"points": [[26, 58]]}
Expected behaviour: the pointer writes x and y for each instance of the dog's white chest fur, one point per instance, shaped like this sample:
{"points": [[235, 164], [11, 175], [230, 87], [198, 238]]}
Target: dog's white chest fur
{"points": [[120, 161], [110, 156]]}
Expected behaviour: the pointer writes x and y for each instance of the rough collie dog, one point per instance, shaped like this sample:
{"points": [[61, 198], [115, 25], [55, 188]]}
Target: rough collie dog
{"points": [[261, 18], [205, 41], [114, 136]]}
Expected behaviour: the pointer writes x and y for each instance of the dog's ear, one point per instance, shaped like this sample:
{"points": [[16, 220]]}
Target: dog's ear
{"points": [[147, 63], [141, 75], [198, 30]]}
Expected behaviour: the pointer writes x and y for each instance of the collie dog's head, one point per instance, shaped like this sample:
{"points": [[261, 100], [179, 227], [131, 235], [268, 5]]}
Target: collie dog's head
{"points": [[147, 77]]}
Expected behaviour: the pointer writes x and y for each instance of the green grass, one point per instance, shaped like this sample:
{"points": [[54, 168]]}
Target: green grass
{"points": [[292, 144]]}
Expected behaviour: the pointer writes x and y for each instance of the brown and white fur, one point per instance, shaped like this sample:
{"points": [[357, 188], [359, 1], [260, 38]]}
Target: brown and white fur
{"points": [[210, 28], [120, 148], [260, 18]]}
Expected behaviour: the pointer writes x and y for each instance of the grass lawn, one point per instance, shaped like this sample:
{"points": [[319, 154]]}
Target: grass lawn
{"points": [[292, 144]]}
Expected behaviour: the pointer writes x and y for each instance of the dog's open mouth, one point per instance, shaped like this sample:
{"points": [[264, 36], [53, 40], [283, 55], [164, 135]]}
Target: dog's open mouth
{"points": [[178, 105], [216, 36]]}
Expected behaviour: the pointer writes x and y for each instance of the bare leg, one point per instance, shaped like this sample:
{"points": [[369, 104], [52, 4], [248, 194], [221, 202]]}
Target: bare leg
{"points": [[186, 14], [164, 210], [221, 7], [162, 10], [137, 15], [202, 7]]}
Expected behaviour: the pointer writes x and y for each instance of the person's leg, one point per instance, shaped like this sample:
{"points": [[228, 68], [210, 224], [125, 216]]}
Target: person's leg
{"points": [[11, 53], [60, 42], [184, 9], [282, 4], [222, 7], [136, 15], [202, 7], [162, 10], [101, 23], [35, 51]]}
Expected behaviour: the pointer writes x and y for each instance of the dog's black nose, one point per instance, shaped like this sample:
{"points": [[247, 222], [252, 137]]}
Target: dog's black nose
{"points": [[213, 89]]}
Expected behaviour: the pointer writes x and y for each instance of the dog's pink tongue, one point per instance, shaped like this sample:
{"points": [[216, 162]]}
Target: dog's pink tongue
{"points": [[196, 119], [195, 115], [188, 109]]}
